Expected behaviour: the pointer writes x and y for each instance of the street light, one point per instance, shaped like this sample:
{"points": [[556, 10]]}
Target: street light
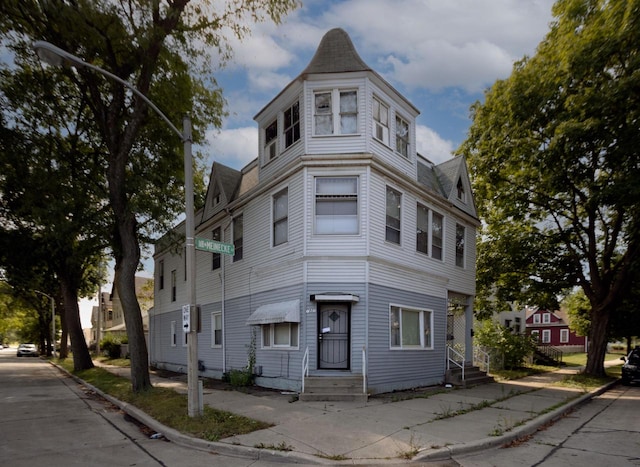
{"points": [[56, 56], [53, 322]]}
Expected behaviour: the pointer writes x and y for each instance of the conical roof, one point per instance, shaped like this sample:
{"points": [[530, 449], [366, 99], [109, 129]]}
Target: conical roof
{"points": [[336, 54]]}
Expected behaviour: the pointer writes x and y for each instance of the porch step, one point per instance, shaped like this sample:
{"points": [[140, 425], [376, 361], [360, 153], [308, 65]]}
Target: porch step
{"points": [[333, 388], [473, 376]]}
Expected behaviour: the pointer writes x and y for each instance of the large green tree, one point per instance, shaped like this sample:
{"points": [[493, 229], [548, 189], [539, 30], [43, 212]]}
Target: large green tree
{"points": [[162, 48], [554, 157]]}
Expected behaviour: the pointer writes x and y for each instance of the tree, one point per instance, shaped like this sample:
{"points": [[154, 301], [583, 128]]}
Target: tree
{"points": [[553, 153], [162, 49]]}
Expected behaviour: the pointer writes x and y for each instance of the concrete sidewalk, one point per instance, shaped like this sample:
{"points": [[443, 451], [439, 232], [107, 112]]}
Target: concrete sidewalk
{"points": [[389, 429]]}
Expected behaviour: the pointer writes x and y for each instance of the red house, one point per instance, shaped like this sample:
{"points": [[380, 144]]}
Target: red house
{"points": [[552, 328]]}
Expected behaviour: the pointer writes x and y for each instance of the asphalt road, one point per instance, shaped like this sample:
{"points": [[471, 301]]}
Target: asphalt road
{"points": [[603, 432], [47, 418]]}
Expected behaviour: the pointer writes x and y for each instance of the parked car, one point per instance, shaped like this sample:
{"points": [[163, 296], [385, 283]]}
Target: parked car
{"points": [[631, 367], [27, 350]]}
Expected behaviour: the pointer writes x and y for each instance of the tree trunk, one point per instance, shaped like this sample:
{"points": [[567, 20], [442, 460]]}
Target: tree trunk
{"points": [[124, 280], [81, 356], [598, 338]]}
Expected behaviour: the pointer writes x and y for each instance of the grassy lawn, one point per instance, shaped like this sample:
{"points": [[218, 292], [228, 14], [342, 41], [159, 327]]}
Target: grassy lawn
{"points": [[167, 406]]}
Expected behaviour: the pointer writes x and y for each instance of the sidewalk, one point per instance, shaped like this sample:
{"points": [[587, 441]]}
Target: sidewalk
{"points": [[432, 425]]}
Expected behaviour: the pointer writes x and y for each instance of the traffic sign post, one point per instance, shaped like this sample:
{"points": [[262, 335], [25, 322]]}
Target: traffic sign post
{"points": [[212, 246]]}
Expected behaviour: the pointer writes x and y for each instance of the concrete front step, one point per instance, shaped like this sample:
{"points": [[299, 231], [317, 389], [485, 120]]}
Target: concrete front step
{"points": [[333, 388], [473, 376]]}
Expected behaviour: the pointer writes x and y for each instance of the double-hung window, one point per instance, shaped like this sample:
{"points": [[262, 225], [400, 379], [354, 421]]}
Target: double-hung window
{"points": [[402, 136], [215, 261], [174, 339], [564, 336], [394, 203], [336, 205], [271, 141], [380, 121], [238, 237], [281, 217], [546, 336], [546, 318], [280, 335], [460, 240], [429, 232], [216, 329], [174, 280], [291, 125], [536, 319], [410, 328], [335, 112]]}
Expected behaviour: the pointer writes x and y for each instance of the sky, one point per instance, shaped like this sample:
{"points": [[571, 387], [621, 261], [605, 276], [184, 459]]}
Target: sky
{"points": [[440, 54]]}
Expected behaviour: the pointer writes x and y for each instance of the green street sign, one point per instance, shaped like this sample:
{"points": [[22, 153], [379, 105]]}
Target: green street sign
{"points": [[212, 246]]}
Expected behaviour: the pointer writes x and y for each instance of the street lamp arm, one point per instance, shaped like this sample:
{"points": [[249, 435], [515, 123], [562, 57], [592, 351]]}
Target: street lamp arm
{"points": [[56, 56]]}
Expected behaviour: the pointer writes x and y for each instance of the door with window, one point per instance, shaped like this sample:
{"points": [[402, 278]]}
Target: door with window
{"points": [[334, 336]]}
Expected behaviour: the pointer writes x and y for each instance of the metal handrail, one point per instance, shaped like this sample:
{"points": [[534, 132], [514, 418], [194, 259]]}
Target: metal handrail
{"points": [[477, 353], [364, 370], [305, 366], [451, 360]]}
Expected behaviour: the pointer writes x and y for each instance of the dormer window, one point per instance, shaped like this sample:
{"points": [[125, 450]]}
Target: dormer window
{"points": [[270, 141], [331, 119], [402, 136], [460, 191], [380, 121]]}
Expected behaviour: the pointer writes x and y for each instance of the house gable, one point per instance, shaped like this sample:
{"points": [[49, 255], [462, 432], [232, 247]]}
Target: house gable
{"points": [[456, 186], [223, 184]]}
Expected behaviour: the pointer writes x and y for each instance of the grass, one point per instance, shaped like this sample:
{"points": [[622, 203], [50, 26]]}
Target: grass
{"points": [[168, 407]]}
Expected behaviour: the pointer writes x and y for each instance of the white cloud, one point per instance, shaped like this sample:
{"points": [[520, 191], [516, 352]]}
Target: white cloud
{"points": [[432, 146], [233, 147], [262, 80]]}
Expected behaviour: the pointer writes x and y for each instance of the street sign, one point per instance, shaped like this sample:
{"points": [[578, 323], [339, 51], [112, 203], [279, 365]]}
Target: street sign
{"points": [[186, 318], [212, 246]]}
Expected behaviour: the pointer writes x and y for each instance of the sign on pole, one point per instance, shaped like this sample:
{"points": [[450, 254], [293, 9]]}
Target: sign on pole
{"points": [[212, 246], [186, 318]]}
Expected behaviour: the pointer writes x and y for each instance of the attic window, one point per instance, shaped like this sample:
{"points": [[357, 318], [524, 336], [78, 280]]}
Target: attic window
{"points": [[460, 191], [336, 112], [381, 121], [270, 139], [402, 136], [216, 199], [291, 125]]}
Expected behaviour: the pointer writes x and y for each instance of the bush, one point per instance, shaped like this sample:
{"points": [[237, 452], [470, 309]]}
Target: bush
{"points": [[240, 378], [514, 348], [111, 346]]}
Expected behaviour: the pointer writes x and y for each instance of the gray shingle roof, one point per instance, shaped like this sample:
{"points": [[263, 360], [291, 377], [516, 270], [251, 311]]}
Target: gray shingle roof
{"points": [[336, 54]]}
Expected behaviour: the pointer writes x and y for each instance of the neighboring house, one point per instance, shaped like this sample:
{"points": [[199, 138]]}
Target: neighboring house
{"points": [[552, 328], [514, 319], [112, 314], [104, 313], [352, 252]]}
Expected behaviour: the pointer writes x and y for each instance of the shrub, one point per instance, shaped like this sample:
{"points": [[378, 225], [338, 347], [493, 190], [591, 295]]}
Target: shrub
{"points": [[240, 378], [110, 344], [514, 348]]}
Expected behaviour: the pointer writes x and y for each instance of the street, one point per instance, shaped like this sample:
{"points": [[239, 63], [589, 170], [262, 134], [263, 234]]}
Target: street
{"points": [[605, 432], [49, 419]]}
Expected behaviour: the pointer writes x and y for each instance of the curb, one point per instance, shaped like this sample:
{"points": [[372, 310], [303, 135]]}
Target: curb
{"points": [[527, 429], [214, 447]]}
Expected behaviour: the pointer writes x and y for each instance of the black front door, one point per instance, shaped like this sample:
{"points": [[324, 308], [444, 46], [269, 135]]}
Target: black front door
{"points": [[333, 336]]}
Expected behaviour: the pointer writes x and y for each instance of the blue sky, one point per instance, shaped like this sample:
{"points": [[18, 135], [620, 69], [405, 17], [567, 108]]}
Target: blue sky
{"points": [[440, 54]]}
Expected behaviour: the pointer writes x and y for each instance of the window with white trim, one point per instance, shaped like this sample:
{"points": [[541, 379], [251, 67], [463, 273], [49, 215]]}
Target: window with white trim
{"points": [[546, 336], [271, 141], [280, 217], [428, 232], [380, 121], [394, 204], [174, 339], [460, 241], [410, 328], [536, 319], [238, 237], [216, 329], [564, 336], [546, 318], [280, 335], [292, 125], [216, 235], [535, 335], [336, 205], [331, 119], [402, 136], [174, 280]]}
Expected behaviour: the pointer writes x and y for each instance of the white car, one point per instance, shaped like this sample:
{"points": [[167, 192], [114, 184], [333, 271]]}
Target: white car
{"points": [[27, 350]]}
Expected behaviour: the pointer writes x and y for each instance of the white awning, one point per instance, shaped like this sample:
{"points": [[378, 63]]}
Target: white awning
{"points": [[282, 312]]}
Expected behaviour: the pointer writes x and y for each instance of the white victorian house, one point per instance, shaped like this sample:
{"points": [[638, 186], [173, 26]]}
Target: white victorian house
{"points": [[354, 255]]}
